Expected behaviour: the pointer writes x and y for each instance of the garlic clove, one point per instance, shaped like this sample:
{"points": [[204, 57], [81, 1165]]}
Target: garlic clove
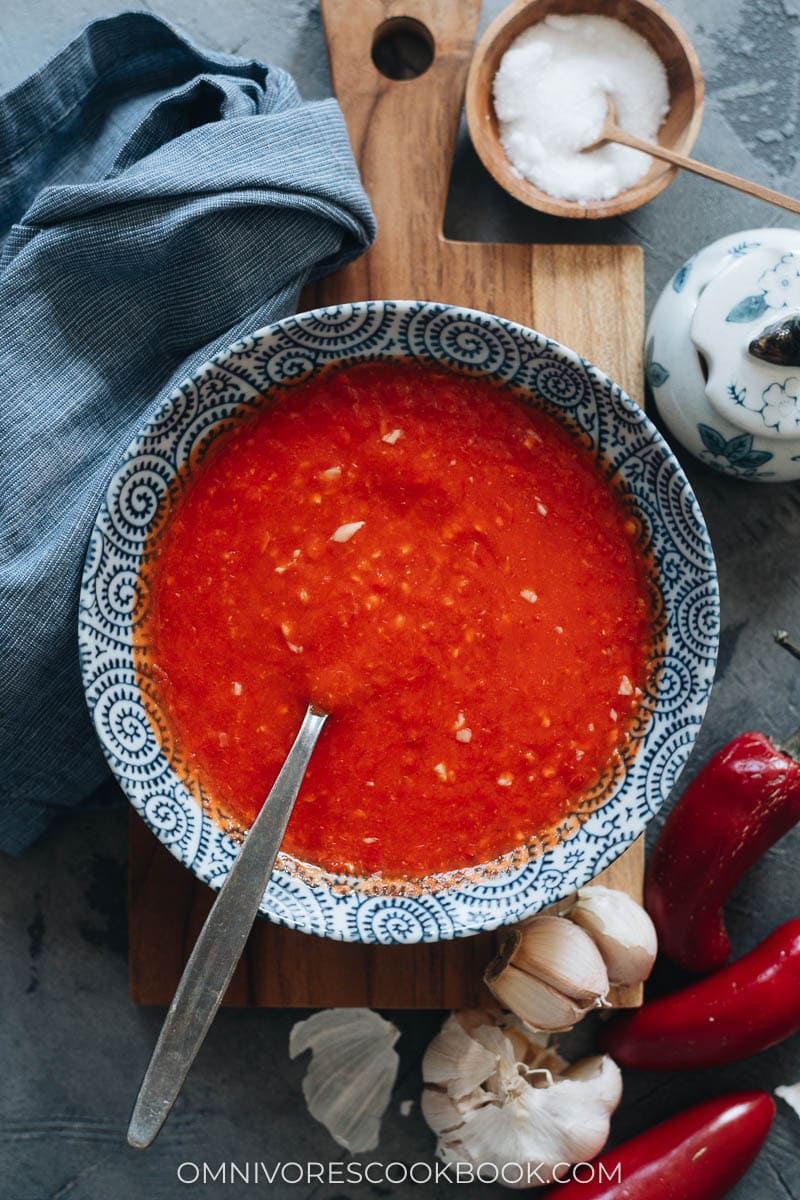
{"points": [[593, 1089], [476, 1018], [353, 1068], [621, 930], [562, 955], [505, 1135], [455, 1060], [549, 972], [439, 1111], [496, 1041], [521, 1045], [534, 1002]]}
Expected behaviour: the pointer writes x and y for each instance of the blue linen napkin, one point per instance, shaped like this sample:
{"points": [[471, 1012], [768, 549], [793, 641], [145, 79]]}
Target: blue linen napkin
{"points": [[157, 202]]}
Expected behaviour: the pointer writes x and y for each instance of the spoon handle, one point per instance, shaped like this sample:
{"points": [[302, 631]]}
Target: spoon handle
{"points": [[699, 168], [220, 943]]}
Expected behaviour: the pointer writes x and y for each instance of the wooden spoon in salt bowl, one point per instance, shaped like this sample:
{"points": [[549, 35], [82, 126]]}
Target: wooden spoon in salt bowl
{"points": [[220, 943], [612, 132], [681, 124]]}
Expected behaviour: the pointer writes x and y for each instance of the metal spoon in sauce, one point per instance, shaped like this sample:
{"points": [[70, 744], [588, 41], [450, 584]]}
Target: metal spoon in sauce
{"points": [[220, 943], [611, 132]]}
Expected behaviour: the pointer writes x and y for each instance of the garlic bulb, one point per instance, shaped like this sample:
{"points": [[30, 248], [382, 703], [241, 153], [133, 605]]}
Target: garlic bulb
{"points": [[353, 1067], [529, 1115], [549, 972], [621, 930]]}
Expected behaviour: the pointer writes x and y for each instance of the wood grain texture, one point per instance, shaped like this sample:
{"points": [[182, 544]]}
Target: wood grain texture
{"points": [[589, 297]]}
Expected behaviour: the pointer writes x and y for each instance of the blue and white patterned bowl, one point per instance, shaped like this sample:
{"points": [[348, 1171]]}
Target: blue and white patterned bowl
{"points": [[651, 484]]}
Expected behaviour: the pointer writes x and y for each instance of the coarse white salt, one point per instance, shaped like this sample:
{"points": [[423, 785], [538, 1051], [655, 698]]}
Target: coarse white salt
{"points": [[391, 438], [441, 770], [331, 473], [463, 735], [551, 95], [506, 779], [541, 509], [345, 532], [625, 686], [531, 597], [236, 688]]}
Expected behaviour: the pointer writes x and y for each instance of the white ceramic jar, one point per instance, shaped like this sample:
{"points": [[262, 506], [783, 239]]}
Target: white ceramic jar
{"points": [[723, 355]]}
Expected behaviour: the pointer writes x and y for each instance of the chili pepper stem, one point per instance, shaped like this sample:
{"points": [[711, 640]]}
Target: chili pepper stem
{"points": [[791, 745]]}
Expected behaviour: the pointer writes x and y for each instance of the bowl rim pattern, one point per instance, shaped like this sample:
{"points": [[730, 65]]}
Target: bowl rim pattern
{"points": [[637, 462]]}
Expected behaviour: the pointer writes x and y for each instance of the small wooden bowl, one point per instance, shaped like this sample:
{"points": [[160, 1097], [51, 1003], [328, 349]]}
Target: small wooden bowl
{"points": [[679, 130]]}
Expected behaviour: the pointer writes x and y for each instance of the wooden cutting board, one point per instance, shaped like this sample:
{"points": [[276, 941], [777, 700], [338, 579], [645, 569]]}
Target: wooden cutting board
{"points": [[403, 135]]}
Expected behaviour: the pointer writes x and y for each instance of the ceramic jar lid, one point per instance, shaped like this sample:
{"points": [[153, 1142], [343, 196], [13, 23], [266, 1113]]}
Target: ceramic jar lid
{"points": [[723, 354]]}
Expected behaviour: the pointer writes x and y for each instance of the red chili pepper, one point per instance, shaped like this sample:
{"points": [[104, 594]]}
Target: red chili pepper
{"points": [[698, 1155], [746, 1007], [742, 801]]}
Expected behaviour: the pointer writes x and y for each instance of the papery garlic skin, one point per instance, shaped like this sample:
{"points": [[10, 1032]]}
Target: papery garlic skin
{"points": [[549, 972], [531, 1110], [353, 1069], [456, 1061], [621, 929], [790, 1092]]}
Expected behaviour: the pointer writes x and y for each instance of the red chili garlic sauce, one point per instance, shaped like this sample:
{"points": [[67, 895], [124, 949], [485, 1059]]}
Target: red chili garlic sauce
{"points": [[440, 566]]}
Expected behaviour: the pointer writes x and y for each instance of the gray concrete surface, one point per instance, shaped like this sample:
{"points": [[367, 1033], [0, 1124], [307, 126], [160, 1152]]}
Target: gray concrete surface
{"points": [[72, 1048]]}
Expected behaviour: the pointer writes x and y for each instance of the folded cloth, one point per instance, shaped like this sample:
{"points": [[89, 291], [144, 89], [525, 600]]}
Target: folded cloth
{"points": [[157, 202]]}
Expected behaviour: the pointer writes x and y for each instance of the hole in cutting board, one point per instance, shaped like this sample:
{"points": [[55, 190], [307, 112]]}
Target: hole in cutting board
{"points": [[402, 48]]}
